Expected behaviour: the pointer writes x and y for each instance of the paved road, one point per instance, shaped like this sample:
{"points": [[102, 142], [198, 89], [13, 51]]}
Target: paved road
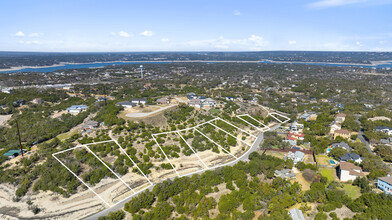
{"points": [[361, 136], [243, 157], [145, 114]]}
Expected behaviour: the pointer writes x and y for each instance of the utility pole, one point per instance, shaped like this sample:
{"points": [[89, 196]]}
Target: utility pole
{"points": [[20, 142]]}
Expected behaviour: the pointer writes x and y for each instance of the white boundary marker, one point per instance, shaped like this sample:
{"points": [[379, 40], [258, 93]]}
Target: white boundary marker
{"points": [[280, 121], [195, 128], [109, 168], [231, 135], [254, 119], [215, 143], [188, 174], [133, 162], [192, 149], [165, 154], [260, 129], [85, 146], [237, 127]]}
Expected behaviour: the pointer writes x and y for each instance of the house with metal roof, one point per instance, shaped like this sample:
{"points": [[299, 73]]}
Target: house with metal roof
{"points": [[126, 104], [296, 214], [385, 184], [139, 101], [13, 153], [77, 109]]}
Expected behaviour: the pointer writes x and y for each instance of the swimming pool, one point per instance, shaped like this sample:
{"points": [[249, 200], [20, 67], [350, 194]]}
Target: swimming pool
{"points": [[332, 162]]}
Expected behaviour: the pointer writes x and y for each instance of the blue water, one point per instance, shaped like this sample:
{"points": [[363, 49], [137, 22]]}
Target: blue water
{"points": [[332, 162], [379, 66], [98, 65], [77, 66]]}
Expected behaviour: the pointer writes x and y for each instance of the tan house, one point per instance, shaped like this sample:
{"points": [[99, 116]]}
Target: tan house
{"points": [[342, 133], [340, 117], [348, 171]]}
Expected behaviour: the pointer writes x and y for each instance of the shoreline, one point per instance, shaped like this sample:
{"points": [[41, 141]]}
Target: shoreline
{"points": [[373, 63]]}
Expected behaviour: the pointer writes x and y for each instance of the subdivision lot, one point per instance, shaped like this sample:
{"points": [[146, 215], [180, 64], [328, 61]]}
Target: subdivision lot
{"points": [[180, 155], [90, 170]]}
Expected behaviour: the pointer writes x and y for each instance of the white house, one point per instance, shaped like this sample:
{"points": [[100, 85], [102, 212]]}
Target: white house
{"points": [[6, 90], [334, 127], [209, 102], [195, 103], [348, 171], [139, 101], [295, 126], [77, 109], [298, 156], [229, 98], [126, 104], [386, 130]]}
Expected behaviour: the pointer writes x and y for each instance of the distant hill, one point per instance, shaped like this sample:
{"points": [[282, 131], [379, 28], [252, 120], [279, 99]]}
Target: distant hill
{"points": [[13, 59]]}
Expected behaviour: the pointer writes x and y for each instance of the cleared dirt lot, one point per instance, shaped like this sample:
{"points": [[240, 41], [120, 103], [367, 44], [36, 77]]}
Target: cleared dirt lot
{"points": [[4, 119], [142, 112]]}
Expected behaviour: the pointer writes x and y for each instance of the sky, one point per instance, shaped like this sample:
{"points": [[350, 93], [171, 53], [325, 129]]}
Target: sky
{"points": [[195, 25]]}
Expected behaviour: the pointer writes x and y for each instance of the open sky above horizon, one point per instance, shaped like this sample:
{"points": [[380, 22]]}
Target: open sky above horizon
{"points": [[195, 25]]}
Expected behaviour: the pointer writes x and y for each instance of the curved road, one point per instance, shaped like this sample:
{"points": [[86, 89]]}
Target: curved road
{"points": [[145, 114], [243, 157]]}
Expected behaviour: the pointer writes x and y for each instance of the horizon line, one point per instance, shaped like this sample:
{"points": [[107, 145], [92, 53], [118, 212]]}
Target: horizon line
{"points": [[197, 51]]}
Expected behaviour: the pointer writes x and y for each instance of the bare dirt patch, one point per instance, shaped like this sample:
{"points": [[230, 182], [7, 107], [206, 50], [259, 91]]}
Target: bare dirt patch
{"points": [[4, 119]]}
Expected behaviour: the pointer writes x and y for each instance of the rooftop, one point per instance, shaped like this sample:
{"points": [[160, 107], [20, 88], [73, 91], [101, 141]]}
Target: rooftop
{"points": [[387, 179]]}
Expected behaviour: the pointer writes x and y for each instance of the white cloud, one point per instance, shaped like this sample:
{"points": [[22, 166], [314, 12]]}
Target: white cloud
{"points": [[237, 13], [257, 40], [253, 42], [124, 34], [334, 3], [382, 42], [147, 33], [291, 42], [164, 40], [36, 34], [19, 34], [221, 46], [29, 42], [358, 43]]}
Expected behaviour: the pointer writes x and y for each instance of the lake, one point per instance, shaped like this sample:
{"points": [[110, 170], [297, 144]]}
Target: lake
{"points": [[47, 69]]}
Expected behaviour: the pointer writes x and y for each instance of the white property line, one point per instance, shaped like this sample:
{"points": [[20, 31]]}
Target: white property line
{"points": [[109, 168], [123, 150], [231, 134], [134, 193], [215, 143], [225, 164], [287, 118], [186, 129], [73, 148], [79, 177], [192, 149], [253, 119], [237, 128], [165, 155], [260, 129]]}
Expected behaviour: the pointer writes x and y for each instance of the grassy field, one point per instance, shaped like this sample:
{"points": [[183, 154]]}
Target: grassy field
{"points": [[66, 135], [275, 154], [352, 191], [214, 111], [323, 159], [329, 173]]}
